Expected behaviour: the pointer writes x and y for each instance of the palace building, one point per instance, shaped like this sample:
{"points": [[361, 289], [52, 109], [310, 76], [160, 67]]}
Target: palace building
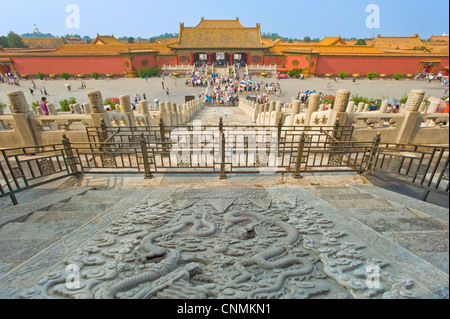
{"points": [[228, 42]]}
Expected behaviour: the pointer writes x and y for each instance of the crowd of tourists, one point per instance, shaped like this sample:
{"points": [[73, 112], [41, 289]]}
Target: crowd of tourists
{"points": [[225, 89], [9, 78]]}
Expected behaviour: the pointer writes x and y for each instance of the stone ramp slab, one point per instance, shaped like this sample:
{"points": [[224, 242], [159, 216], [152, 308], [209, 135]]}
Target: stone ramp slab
{"points": [[22, 211], [412, 203], [324, 253]]}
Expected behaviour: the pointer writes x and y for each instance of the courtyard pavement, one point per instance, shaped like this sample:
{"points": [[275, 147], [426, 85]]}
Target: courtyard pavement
{"points": [[58, 91]]}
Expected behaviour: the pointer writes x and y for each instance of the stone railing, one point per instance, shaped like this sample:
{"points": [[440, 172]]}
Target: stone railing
{"points": [[179, 68], [411, 125], [262, 67], [25, 127]]}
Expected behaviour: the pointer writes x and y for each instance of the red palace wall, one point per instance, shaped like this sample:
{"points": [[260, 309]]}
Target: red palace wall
{"points": [[303, 63], [380, 65], [137, 62], [72, 65], [167, 60]]}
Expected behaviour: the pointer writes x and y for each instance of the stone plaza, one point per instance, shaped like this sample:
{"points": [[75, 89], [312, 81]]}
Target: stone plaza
{"points": [[327, 235]]}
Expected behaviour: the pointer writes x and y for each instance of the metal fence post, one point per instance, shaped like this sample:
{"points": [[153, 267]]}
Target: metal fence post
{"points": [[336, 130], [279, 129], [370, 168], [301, 146], [69, 158], [223, 175], [148, 174], [12, 195]]}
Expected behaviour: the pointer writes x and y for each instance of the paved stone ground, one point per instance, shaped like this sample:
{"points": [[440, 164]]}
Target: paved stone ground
{"points": [[250, 236], [198, 237], [153, 88]]}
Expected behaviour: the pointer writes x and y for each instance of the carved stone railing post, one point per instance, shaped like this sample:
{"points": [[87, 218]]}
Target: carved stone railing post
{"points": [[411, 121], [99, 113], [340, 107], [125, 102], [21, 114], [313, 106]]}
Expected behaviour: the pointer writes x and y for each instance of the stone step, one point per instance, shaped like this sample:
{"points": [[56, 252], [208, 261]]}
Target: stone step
{"points": [[406, 201], [359, 203], [110, 192], [22, 211], [81, 206], [78, 217], [326, 191], [37, 230], [98, 199], [432, 245], [403, 224]]}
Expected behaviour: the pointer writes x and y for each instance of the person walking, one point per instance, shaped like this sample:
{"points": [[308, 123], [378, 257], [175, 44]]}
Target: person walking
{"points": [[43, 105]]}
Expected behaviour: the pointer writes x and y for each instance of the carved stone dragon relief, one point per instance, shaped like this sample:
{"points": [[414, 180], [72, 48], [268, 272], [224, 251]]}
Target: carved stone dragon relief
{"points": [[239, 244]]}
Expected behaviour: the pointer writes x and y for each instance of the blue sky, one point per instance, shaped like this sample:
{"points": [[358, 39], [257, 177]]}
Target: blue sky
{"points": [[289, 18]]}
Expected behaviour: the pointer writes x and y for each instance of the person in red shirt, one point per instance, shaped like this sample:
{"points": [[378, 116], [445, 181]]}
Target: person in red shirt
{"points": [[446, 108]]}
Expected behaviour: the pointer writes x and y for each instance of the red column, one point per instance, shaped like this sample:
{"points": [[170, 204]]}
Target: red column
{"points": [[248, 59], [209, 58], [192, 59], [231, 58]]}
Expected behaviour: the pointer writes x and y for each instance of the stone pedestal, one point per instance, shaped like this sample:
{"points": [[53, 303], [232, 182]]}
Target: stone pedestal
{"points": [[411, 122]]}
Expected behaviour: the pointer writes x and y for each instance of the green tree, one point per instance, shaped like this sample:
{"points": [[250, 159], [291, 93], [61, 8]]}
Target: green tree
{"points": [[4, 42], [361, 42], [15, 41]]}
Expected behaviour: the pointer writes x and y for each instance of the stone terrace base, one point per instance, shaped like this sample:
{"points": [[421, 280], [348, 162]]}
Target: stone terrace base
{"points": [[239, 243]]}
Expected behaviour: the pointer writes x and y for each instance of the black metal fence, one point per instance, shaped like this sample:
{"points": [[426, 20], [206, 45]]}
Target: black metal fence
{"points": [[220, 150]]}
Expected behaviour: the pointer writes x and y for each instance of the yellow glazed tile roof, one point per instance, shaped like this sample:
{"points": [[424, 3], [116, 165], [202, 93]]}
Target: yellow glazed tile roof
{"points": [[109, 40], [43, 43], [92, 49], [219, 24], [220, 34], [332, 41]]}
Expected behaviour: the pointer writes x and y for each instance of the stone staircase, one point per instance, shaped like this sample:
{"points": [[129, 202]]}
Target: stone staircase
{"points": [[420, 227], [30, 228]]}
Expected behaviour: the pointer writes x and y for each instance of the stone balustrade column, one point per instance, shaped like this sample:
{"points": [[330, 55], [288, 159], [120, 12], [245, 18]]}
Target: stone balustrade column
{"points": [[383, 107], [422, 107], [294, 111], [125, 103], [340, 107], [87, 108], [168, 114], [77, 108], [411, 121], [366, 108], [278, 113], [313, 106], [21, 113], [350, 107], [51, 109], [144, 110], [360, 107], [99, 113], [433, 108]]}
